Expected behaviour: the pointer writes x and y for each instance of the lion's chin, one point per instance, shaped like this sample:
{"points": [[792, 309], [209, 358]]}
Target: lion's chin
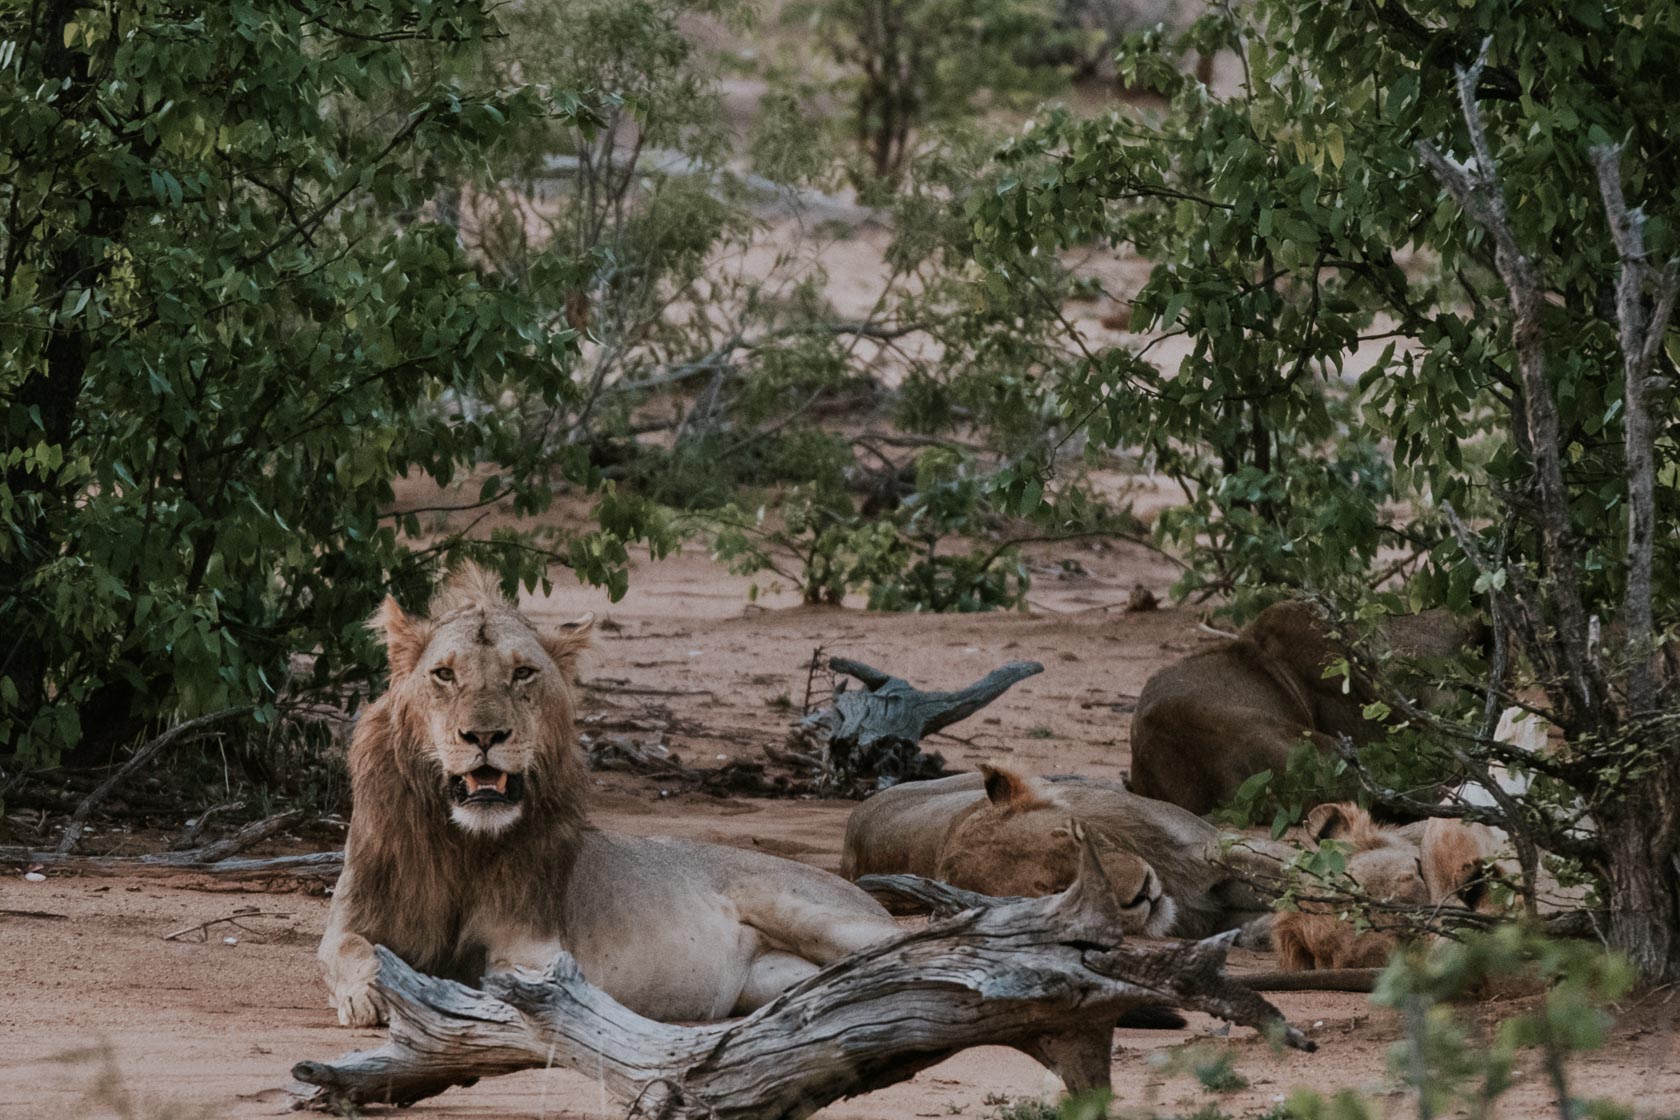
{"points": [[1160, 923], [486, 820]]}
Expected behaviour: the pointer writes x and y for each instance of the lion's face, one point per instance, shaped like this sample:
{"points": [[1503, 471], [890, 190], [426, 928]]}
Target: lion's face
{"points": [[488, 698], [1034, 852], [1020, 843]]}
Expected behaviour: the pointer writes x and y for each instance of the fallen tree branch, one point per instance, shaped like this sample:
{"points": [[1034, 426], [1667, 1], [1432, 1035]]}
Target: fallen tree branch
{"points": [[247, 836], [628, 689], [875, 734], [1033, 974], [912, 894], [181, 732], [234, 919], [1311, 980], [311, 865]]}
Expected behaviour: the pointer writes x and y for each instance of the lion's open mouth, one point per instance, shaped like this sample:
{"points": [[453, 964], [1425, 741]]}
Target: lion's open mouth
{"points": [[487, 786]]}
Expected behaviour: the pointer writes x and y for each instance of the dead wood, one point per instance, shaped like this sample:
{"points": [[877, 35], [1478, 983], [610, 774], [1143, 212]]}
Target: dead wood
{"points": [[235, 919], [247, 836], [627, 689], [196, 827], [181, 732], [1048, 976], [311, 865], [873, 737], [1311, 980], [737, 777], [912, 894]]}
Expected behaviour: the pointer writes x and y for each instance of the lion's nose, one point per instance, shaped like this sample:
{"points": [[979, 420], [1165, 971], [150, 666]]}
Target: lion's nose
{"points": [[484, 740]]}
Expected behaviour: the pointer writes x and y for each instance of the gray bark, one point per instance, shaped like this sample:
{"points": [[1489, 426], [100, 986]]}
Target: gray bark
{"points": [[873, 736]]}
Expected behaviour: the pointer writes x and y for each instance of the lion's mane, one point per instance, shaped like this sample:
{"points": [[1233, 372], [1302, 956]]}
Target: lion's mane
{"points": [[423, 882]]}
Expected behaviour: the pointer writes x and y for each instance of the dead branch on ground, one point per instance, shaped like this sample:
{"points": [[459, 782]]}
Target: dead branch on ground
{"points": [[181, 732], [324, 866], [235, 919], [874, 734]]}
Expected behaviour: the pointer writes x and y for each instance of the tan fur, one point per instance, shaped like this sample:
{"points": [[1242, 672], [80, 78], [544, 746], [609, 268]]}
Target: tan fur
{"points": [[984, 852], [673, 929], [1207, 723], [1406, 866], [1001, 833]]}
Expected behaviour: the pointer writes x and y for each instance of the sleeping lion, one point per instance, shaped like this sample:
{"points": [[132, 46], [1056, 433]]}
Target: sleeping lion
{"points": [[469, 852]]}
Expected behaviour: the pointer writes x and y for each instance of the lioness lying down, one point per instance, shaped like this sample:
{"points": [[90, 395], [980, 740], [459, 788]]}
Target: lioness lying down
{"points": [[469, 852], [1001, 833], [1207, 723], [1418, 865]]}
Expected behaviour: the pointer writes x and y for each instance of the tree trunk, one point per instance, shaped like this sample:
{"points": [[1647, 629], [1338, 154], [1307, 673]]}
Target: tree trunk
{"points": [[1644, 879]]}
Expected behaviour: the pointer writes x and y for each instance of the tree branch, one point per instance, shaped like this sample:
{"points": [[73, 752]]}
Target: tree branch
{"points": [[1479, 192], [1639, 342], [181, 732]]}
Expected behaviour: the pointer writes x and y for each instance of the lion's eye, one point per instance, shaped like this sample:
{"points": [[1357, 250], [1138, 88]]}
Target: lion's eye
{"points": [[443, 674], [524, 673]]}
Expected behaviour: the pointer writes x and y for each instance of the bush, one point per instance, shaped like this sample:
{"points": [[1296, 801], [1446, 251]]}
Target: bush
{"points": [[231, 322]]}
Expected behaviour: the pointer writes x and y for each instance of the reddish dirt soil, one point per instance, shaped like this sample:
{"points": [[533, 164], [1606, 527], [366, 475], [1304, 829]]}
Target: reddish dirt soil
{"points": [[100, 1016]]}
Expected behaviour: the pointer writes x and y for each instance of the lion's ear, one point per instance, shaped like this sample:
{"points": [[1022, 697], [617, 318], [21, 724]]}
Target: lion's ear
{"points": [[566, 644], [1009, 791], [405, 636], [1339, 820]]}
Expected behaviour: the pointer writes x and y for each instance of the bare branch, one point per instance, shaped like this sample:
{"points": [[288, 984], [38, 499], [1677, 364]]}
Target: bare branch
{"points": [[181, 732]]}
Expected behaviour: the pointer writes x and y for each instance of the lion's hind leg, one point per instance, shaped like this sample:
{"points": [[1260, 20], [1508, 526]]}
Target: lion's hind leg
{"points": [[772, 973]]}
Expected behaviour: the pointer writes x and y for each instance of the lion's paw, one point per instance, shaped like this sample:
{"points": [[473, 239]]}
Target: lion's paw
{"points": [[358, 1005]]}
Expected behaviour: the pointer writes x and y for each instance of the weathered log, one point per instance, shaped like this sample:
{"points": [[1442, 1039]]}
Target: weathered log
{"points": [[1311, 980], [1047, 976], [311, 865], [872, 738], [912, 894]]}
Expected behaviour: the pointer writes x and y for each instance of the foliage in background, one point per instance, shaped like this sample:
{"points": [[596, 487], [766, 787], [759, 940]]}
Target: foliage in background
{"points": [[1451, 1065], [1292, 221], [908, 560], [229, 326], [911, 65]]}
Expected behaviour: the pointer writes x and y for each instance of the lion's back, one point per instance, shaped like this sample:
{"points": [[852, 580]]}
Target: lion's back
{"points": [[901, 830]]}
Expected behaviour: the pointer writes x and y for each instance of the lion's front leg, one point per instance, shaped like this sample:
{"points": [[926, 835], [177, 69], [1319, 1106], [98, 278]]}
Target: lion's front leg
{"points": [[521, 954], [348, 963], [350, 968]]}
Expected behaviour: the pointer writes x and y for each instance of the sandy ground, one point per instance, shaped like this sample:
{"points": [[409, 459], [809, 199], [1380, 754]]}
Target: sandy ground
{"points": [[100, 1016]]}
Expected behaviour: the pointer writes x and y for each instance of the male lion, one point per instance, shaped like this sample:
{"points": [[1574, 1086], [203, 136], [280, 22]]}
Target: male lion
{"points": [[469, 852], [1207, 723], [999, 832]]}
